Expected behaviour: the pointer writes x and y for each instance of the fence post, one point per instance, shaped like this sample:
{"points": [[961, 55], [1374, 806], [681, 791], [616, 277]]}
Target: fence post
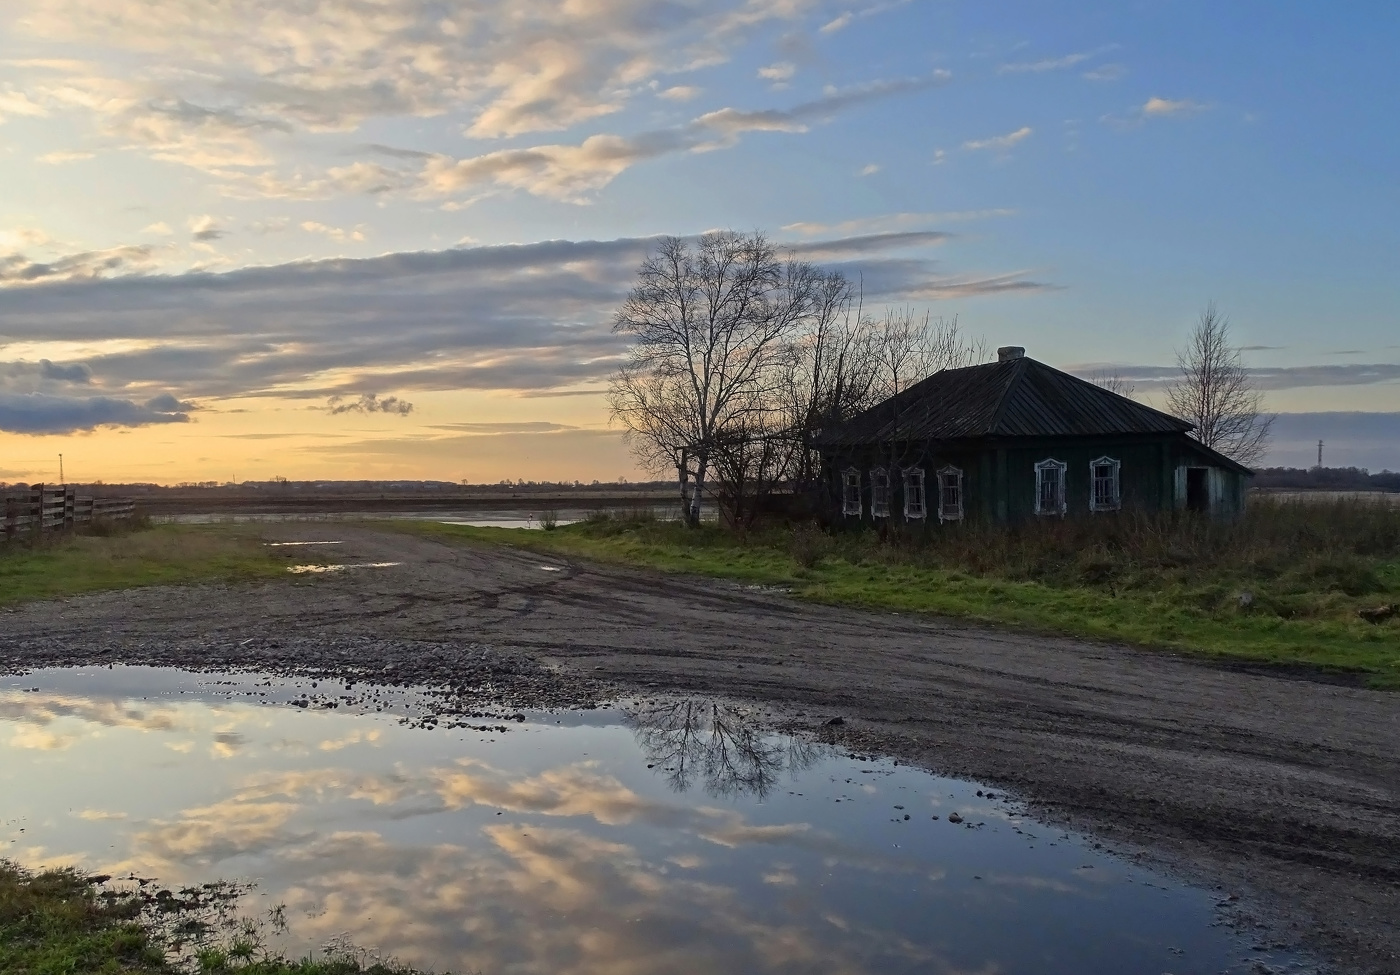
{"points": [[70, 507], [36, 508]]}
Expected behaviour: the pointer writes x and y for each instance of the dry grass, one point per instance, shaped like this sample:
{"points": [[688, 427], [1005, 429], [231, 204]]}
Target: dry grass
{"points": [[141, 556]]}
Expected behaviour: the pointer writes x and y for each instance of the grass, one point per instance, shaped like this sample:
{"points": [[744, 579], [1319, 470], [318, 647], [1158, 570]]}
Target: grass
{"points": [[142, 555], [59, 922], [1281, 587]]}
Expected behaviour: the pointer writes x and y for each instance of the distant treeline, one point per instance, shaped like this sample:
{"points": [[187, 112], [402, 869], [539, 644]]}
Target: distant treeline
{"points": [[282, 486], [1326, 479]]}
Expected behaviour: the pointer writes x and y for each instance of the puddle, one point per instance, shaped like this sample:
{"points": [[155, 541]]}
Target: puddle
{"points": [[321, 569], [289, 544], [667, 836]]}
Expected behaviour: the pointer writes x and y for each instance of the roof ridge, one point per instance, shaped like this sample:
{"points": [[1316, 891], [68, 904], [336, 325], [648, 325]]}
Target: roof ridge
{"points": [[1018, 372]]}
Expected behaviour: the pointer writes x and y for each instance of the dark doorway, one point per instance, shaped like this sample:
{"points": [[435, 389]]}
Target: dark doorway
{"points": [[1197, 494]]}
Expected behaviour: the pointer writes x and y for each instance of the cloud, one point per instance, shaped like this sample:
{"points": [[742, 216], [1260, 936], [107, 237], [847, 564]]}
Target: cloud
{"points": [[778, 72], [17, 268], [59, 158], [1352, 439], [74, 372], [492, 429], [17, 103], [369, 403], [1155, 108], [892, 221], [870, 170], [166, 403], [206, 228], [159, 228], [1264, 377], [572, 172], [1049, 64], [845, 19], [40, 413], [680, 93], [1106, 72], [1000, 143], [534, 318], [230, 92], [334, 233]]}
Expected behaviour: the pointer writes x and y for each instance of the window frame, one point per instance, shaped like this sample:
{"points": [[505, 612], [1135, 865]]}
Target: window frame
{"points": [[1116, 503], [850, 478], [879, 481], [1043, 468], [944, 514], [910, 474]]}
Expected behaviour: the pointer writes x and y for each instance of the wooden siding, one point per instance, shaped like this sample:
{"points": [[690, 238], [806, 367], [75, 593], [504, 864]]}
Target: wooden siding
{"points": [[999, 480]]}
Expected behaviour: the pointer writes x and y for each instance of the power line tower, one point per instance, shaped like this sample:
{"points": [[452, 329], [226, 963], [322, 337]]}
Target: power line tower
{"points": [[1319, 453]]}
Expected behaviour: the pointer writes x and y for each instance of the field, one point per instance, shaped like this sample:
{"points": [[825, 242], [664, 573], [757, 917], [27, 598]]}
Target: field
{"points": [[1284, 586], [131, 557]]}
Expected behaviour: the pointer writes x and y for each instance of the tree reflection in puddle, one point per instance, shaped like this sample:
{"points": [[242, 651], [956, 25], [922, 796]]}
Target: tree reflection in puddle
{"points": [[723, 746]]}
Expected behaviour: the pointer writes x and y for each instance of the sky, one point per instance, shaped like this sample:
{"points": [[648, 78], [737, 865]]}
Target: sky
{"points": [[385, 238]]}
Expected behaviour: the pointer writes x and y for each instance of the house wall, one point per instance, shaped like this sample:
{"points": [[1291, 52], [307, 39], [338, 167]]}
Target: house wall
{"points": [[999, 479], [1226, 488]]}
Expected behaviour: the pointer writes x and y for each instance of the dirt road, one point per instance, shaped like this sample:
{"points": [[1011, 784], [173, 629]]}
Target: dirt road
{"points": [[1284, 790]]}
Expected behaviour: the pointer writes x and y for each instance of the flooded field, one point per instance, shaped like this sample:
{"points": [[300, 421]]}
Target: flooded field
{"points": [[504, 518], [667, 835]]}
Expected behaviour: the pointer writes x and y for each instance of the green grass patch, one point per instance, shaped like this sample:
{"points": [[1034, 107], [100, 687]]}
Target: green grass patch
{"points": [[70, 564], [1174, 587], [60, 922]]}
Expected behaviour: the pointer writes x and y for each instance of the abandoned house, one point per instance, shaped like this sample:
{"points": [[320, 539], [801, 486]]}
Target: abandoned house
{"points": [[1016, 439]]}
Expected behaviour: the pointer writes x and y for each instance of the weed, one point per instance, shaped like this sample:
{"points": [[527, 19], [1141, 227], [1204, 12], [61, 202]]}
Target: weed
{"points": [[61, 922]]}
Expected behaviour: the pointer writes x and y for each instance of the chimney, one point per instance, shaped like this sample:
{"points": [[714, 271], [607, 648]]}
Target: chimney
{"points": [[1008, 352]]}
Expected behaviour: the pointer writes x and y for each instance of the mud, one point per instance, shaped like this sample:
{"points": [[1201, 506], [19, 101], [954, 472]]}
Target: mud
{"points": [[1283, 793]]}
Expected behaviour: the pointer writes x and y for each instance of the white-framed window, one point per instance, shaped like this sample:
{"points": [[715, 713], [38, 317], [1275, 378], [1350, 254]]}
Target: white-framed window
{"points": [[850, 492], [879, 493], [1105, 487], [915, 504], [950, 493], [1050, 487]]}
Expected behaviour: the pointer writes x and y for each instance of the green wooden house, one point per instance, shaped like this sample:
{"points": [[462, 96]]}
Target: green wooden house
{"points": [[1017, 439]]}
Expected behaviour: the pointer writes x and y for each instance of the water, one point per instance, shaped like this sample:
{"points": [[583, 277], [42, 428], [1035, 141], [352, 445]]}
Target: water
{"points": [[528, 518], [669, 836]]}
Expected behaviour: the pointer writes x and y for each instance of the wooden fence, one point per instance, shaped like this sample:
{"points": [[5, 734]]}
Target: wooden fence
{"points": [[54, 507]]}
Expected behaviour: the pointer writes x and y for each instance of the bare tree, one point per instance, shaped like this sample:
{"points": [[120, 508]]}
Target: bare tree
{"points": [[1215, 393], [909, 348], [832, 373], [710, 320], [1114, 382], [723, 746]]}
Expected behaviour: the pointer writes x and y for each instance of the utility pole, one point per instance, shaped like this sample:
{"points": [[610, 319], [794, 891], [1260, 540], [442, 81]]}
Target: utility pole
{"points": [[60, 470], [1319, 453]]}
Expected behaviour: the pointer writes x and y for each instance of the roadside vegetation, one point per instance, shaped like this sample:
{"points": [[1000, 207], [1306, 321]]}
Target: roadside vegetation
{"points": [[60, 922], [118, 556], [1304, 584]]}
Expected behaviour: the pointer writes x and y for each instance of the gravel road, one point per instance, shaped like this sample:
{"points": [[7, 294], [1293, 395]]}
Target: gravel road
{"points": [[1282, 790]]}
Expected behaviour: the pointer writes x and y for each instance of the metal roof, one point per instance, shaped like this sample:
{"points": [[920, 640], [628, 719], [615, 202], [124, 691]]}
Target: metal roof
{"points": [[1019, 397]]}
